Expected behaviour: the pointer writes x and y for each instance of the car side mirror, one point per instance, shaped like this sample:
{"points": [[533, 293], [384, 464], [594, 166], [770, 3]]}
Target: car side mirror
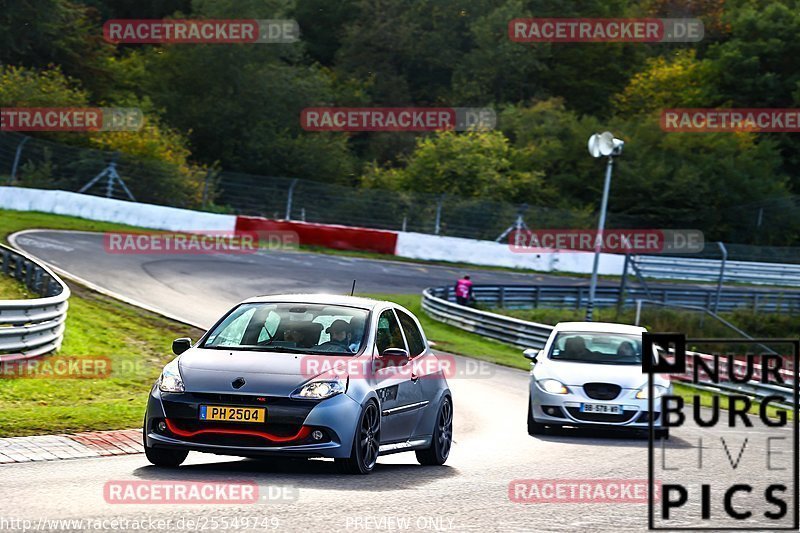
{"points": [[395, 356], [531, 354], [181, 345]]}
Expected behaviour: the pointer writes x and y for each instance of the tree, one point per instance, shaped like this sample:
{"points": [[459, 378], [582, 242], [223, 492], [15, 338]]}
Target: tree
{"points": [[475, 164], [679, 81]]}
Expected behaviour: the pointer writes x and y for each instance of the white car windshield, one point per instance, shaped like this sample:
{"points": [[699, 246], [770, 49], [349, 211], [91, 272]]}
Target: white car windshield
{"points": [[599, 348], [291, 327]]}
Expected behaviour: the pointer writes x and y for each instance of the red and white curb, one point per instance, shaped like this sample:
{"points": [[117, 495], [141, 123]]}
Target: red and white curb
{"points": [[70, 446]]}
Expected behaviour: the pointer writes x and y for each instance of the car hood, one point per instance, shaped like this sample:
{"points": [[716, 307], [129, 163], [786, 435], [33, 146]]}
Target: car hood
{"points": [[577, 374], [269, 373]]}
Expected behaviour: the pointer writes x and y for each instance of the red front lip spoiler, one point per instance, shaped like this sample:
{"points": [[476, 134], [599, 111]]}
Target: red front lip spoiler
{"points": [[304, 432]]}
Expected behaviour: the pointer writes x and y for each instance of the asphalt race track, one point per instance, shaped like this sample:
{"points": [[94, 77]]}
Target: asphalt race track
{"points": [[200, 288], [471, 493]]}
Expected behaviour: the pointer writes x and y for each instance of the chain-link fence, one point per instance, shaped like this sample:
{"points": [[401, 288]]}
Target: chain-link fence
{"points": [[34, 162]]}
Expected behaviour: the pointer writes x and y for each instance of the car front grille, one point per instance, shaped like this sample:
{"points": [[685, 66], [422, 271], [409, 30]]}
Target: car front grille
{"points": [[576, 413], [602, 391]]}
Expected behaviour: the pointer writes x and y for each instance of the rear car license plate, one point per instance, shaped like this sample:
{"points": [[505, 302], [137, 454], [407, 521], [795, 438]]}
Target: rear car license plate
{"points": [[222, 413], [601, 408]]}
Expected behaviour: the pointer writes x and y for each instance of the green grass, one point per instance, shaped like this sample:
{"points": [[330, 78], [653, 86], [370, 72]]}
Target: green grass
{"points": [[136, 342], [693, 323], [11, 289], [13, 221]]}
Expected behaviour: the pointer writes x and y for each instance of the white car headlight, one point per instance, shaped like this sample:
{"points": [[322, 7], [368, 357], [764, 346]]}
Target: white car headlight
{"points": [[170, 380], [553, 386], [320, 389], [658, 392]]}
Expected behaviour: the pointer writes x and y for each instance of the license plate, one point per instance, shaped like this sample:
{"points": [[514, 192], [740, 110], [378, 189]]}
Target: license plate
{"points": [[601, 408], [223, 413]]}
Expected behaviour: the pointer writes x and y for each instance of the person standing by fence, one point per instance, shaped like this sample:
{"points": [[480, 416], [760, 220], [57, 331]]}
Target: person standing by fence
{"points": [[464, 291]]}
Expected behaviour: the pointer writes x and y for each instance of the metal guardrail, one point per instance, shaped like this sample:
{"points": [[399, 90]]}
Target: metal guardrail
{"points": [[32, 327], [576, 297], [502, 328], [685, 268], [526, 334]]}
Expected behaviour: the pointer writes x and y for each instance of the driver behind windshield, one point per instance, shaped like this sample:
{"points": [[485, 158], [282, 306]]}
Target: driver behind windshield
{"points": [[341, 336]]}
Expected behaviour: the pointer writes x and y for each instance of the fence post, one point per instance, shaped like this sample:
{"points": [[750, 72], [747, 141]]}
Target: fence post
{"points": [[205, 188], [438, 224], [289, 198], [12, 178]]}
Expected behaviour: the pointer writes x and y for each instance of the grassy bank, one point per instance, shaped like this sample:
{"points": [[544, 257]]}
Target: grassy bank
{"points": [[11, 289], [137, 345], [693, 323]]}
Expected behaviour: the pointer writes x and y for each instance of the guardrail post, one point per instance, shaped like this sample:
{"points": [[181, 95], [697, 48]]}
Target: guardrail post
{"points": [[37, 279], [538, 297], [580, 298], [623, 283], [501, 298], [438, 223], [721, 274]]}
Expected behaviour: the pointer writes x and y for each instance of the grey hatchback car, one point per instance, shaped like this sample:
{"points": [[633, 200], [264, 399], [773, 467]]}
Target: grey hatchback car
{"points": [[304, 376]]}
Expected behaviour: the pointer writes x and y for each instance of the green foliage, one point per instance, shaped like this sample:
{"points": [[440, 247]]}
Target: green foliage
{"points": [[475, 164], [678, 81], [238, 106]]}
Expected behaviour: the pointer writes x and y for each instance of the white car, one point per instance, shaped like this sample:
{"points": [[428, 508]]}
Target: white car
{"points": [[590, 374]]}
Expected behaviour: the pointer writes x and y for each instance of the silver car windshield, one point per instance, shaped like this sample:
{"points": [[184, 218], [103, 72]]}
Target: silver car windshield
{"points": [[291, 327], [598, 348]]}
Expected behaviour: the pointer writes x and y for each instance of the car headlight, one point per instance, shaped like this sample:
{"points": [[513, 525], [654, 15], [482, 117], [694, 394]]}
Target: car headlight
{"points": [[319, 390], [170, 380], [553, 386], [658, 392]]}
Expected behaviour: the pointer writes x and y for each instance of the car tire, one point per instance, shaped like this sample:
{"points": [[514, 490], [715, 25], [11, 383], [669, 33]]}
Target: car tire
{"points": [[163, 456], [366, 443], [534, 427], [441, 438]]}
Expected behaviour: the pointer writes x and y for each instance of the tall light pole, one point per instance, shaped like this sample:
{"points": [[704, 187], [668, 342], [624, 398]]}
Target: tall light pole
{"points": [[601, 144]]}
